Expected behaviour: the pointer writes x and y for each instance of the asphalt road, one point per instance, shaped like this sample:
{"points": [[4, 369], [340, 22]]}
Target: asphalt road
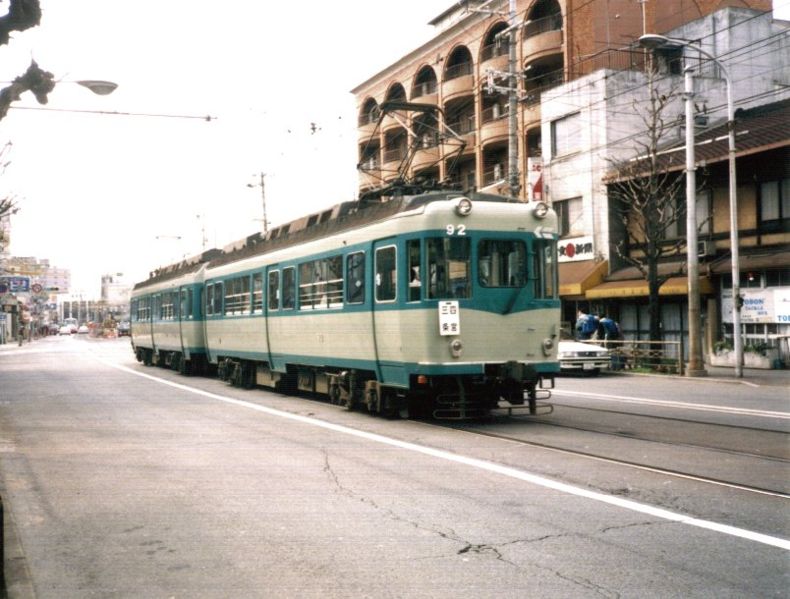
{"points": [[125, 481]]}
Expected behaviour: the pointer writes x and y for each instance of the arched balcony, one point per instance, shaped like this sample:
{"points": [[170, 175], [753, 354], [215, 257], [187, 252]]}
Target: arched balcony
{"points": [[460, 119], [542, 30], [369, 167], [458, 77], [368, 117], [540, 75], [396, 93], [462, 173], [425, 143], [494, 52], [494, 118], [495, 161], [395, 148], [426, 87]]}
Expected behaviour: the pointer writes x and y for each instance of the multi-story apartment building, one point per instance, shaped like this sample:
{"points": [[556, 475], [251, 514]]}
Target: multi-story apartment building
{"points": [[556, 42], [581, 72]]}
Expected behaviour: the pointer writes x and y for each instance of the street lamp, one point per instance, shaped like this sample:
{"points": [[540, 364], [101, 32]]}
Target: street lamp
{"points": [[98, 87], [652, 41]]}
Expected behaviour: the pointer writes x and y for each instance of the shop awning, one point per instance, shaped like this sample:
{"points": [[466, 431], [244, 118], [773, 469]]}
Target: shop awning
{"points": [[577, 277], [763, 259], [639, 288]]}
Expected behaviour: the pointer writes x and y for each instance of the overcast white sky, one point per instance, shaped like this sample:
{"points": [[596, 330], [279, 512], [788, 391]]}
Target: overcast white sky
{"points": [[96, 191]]}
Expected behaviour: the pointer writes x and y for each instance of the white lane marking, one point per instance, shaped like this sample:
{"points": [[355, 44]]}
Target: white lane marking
{"points": [[678, 404], [479, 464]]}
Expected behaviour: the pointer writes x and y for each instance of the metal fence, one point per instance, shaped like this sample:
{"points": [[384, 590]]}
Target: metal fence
{"points": [[637, 355]]}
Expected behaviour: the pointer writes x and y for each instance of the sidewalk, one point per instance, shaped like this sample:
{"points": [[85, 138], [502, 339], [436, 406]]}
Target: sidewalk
{"points": [[751, 376]]}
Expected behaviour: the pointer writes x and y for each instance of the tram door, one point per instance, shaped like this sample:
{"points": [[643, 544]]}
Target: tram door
{"points": [[386, 317], [272, 307]]}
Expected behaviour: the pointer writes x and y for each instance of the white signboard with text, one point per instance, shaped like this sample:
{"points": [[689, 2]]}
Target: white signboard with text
{"points": [[759, 306], [575, 249], [449, 318]]}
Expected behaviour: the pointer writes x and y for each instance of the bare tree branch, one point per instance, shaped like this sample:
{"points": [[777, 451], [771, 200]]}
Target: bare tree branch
{"points": [[22, 14], [35, 80]]}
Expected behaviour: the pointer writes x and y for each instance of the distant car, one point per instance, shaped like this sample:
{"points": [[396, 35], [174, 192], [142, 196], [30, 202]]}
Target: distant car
{"points": [[83, 329], [587, 358], [64, 330], [124, 329]]}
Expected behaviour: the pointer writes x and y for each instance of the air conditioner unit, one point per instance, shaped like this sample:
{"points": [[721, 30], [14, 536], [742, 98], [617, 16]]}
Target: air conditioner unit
{"points": [[705, 248]]}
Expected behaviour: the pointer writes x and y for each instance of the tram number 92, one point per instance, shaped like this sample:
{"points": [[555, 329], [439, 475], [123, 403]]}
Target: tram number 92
{"points": [[457, 230]]}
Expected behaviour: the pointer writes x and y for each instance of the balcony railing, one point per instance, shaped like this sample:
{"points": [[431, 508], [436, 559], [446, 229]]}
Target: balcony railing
{"points": [[494, 174], [538, 85], [423, 141], [464, 125], [495, 112], [458, 70], [493, 50], [542, 25], [369, 118], [394, 154], [426, 88]]}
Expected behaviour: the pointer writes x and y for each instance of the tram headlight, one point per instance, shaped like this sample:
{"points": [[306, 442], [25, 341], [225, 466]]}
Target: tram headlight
{"points": [[548, 346], [540, 210], [456, 348], [463, 207]]}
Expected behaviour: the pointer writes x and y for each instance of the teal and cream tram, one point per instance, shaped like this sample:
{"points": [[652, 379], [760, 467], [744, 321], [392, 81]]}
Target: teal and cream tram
{"points": [[440, 303]]}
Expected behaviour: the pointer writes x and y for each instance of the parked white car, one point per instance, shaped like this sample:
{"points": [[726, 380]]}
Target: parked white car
{"points": [[576, 356]]}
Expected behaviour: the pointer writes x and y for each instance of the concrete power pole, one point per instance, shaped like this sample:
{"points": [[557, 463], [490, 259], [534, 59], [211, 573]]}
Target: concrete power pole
{"points": [[263, 200], [514, 177]]}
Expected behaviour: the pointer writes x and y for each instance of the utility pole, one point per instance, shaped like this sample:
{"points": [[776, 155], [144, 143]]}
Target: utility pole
{"points": [[261, 184], [512, 153]]}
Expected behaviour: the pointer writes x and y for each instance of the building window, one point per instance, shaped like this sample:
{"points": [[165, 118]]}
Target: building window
{"points": [[775, 201], [569, 216], [566, 134]]}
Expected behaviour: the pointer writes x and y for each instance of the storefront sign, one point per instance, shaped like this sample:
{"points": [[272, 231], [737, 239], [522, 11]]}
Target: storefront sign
{"points": [[765, 306], [14, 285], [576, 249]]}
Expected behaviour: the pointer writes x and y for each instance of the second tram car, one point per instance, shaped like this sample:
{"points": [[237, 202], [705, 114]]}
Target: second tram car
{"points": [[441, 303]]}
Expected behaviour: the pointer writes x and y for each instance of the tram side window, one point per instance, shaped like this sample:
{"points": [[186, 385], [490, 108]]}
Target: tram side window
{"points": [[209, 299], [237, 296], [502, 263], [274, 290], [544, 269], [166, 310], [321, 284], [415, 269], [218, 296], [386, 274], [186, 304], [157, 308], [448, 267], [257, 293], [289, 288], [355, 278]]}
